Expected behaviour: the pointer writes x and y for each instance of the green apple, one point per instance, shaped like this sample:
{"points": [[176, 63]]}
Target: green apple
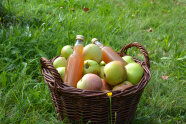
{"points": [[61, 71], [114, 73], [134, 72], [101, 74], [102, 63], [66, 51], [90, 82], [92, 52], [122, 86], [128, 59], [60, 62], [91, 66]]}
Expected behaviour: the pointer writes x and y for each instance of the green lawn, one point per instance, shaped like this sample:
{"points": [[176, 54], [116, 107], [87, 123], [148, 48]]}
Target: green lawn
{"points": [[36, 28]]}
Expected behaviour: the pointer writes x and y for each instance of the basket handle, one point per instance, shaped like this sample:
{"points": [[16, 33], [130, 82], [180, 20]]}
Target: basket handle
{"points": [[50, 74], [140, 47]]}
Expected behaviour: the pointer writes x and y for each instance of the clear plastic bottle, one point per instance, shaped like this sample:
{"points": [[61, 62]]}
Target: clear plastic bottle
{"points": [[75, 62], [108, 54]]}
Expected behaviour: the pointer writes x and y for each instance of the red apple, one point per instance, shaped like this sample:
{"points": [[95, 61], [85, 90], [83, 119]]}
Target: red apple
{"points": [[106, 86], [90, 82]]}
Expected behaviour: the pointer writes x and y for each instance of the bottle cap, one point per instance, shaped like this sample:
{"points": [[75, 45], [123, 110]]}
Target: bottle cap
{"points": [[94, 39], [80, 37]]}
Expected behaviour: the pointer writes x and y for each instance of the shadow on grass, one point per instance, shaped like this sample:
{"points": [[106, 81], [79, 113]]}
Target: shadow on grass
{"points": [[8, 18]]}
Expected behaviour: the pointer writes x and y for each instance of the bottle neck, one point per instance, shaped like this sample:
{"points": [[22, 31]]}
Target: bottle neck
{"points": [[79, 42], [78, 48], [99, 44]]}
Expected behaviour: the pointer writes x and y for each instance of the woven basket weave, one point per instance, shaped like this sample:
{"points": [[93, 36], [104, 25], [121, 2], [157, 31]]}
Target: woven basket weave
{"points": [[81, 106]]}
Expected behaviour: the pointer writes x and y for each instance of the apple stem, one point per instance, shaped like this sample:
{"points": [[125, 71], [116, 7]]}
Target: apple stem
{"points": [[86, 66]]}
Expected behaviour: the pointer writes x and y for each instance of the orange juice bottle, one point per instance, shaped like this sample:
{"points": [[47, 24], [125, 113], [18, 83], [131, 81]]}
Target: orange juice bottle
{"points": [[108, 54], [75, 62]]}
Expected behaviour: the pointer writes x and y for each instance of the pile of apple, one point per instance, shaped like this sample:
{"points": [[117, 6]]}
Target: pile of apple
{"points": [[97, 75]]}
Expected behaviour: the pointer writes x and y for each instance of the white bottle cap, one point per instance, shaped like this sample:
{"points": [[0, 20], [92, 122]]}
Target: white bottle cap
{"points": [[94, 39], [80, 37]]}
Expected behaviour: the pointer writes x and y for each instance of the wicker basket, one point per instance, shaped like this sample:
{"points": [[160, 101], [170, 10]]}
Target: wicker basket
{"points": [[81, 106]]}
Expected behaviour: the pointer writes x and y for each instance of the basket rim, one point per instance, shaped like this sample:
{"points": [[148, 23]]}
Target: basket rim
{"points": [[91, 93]]}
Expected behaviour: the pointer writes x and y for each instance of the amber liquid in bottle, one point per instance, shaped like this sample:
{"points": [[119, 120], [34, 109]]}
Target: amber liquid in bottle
{"points": [[75, 62], [108, 54]]}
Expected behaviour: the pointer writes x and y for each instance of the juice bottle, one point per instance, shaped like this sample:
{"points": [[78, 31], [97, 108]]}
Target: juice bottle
{"points": [[75, 62], [108, 54]]}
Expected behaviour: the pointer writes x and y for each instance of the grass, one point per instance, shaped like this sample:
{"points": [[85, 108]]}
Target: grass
{"points": [[36, 28]]}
